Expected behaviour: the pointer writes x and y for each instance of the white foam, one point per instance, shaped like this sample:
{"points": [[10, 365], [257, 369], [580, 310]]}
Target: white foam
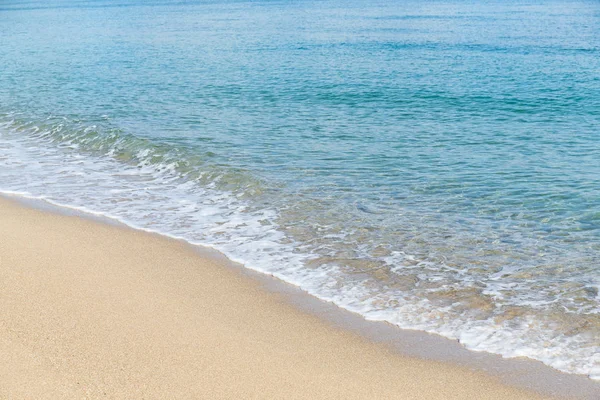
{"points": [[152, 197]]}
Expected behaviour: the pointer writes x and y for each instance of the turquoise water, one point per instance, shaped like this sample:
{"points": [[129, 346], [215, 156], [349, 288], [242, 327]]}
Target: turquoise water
{"points": [[434, 164]]}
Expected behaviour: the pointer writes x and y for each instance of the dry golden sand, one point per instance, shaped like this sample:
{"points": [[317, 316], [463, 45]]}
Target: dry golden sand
{"points": [[91, 311]]}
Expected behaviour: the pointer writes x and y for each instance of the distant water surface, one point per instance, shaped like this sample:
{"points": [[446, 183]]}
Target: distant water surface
{"points": [[434, 164]]}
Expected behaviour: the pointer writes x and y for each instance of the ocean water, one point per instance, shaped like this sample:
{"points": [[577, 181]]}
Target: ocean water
{"points": [[434, 164]]}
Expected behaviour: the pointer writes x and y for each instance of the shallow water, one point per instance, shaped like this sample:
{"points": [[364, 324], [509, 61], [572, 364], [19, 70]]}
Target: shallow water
{"points": [[432, 164]]}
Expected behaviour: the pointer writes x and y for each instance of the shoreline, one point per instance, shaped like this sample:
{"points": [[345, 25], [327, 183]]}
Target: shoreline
{"points": [[287, 332]]}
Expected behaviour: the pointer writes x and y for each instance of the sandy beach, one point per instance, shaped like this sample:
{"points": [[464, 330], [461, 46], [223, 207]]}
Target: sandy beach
{"points": [[91, 310]]}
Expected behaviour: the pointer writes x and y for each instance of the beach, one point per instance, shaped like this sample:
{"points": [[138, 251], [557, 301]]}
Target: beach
{"points": [[432, 166], [91, 310]]}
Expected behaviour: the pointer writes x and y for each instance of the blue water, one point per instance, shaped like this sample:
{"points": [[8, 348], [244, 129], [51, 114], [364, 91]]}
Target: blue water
{"points": [[434, 164]]}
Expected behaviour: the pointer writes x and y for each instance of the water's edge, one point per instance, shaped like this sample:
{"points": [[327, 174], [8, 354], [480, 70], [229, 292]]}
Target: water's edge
{"points": [[518, 372]]}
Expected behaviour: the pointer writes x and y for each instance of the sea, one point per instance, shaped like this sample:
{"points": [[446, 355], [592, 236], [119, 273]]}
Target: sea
{"points": [[430, 163]]}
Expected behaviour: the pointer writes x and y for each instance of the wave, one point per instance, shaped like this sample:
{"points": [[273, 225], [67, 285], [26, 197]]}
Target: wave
{"points": [[349, 254]]}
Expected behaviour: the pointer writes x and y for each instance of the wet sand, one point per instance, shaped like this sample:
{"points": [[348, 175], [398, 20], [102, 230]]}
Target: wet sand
{"points": [[91, 310]]}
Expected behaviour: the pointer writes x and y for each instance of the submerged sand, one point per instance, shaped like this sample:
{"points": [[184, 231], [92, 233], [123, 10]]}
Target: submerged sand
{"points": [[90, 310]]}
